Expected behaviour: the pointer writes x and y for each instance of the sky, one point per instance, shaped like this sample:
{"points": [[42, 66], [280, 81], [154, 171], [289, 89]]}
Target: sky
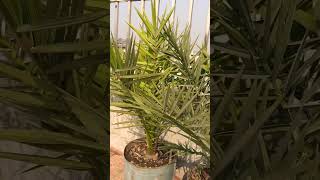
{"points": [[199, 20]]}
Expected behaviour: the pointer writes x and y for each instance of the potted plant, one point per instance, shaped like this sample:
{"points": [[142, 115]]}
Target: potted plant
{"points": [[62, 83], [143, 157], [140, 75], [159, 82]]}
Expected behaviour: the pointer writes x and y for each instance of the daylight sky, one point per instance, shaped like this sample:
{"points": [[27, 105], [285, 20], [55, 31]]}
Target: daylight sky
{"points": [[200, 12]]}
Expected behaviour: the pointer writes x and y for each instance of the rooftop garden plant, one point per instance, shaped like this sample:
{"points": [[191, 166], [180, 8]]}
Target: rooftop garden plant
{"points": [[161, 83]]}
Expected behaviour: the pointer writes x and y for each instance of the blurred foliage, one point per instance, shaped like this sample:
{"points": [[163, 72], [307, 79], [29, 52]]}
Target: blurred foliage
{"points": [[57, 50], [265, 89]]}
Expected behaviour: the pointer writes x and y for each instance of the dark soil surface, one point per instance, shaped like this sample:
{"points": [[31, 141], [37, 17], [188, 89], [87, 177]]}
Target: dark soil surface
{"points": [[196, 175], [136, 153]]}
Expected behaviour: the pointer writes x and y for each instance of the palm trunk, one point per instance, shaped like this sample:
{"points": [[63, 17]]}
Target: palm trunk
{"points": [[151, 152]]}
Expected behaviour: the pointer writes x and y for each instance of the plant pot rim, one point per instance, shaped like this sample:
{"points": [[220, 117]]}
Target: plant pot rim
{"points": [[173, 160]]}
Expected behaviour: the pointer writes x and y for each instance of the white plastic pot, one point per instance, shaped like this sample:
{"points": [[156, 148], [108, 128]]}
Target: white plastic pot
{"points": [[133, 172]]}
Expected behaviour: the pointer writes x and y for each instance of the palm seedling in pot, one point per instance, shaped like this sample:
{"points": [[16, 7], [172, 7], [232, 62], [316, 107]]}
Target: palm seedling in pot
{"points": [[140, 75], [160, 83]]}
